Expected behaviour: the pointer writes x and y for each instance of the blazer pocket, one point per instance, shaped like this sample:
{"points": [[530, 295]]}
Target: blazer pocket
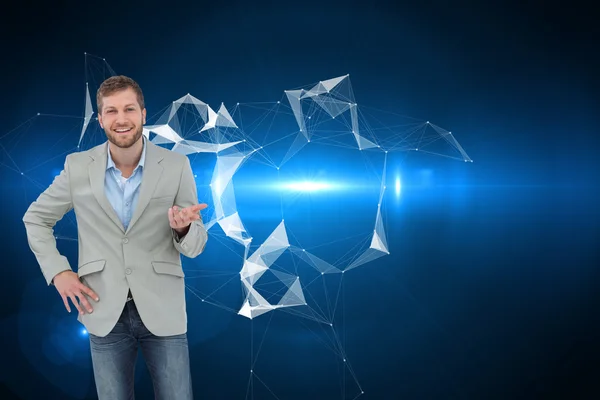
{"points": [[91, 267], [169, 268]]}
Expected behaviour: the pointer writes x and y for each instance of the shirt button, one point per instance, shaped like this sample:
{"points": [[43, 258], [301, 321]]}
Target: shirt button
{"points": [[125, 240], [128, 271], [127, 204]]}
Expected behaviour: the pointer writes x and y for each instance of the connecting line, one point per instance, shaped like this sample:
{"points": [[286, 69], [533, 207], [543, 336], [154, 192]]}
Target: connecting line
{"points": [[346, 362], [61, 116], [255, 357], [269, 389], [326, 345], [18, 126], [50, 159], [18, 170]]}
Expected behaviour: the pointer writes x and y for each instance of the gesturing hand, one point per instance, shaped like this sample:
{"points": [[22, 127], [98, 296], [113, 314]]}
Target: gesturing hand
{"points": [[181, 218], [68, 285]]}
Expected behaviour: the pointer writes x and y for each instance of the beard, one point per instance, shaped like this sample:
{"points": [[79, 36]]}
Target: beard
{"points": [[124, 141]]}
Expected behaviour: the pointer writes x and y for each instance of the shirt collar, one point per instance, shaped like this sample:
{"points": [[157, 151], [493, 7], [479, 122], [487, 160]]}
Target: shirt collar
{"points": [[111, 164]]}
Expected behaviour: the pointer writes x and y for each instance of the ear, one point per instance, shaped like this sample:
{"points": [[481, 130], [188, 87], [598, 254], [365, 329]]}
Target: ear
{"points": [[100, 121], [144, 116]]}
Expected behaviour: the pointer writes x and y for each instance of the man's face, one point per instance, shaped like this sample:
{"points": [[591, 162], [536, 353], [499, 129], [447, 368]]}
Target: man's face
{"points": [[122, 118]]}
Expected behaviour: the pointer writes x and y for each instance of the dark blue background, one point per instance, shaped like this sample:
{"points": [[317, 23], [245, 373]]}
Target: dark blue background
{"points": [[491, 288]]}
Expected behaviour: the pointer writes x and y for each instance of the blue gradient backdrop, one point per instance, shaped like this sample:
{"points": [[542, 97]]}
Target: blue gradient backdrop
{"points": [[491, 290]]}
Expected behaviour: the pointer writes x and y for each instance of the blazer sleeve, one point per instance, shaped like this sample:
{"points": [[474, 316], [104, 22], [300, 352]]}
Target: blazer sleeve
{"points": [[39, 220], [192, 244]]}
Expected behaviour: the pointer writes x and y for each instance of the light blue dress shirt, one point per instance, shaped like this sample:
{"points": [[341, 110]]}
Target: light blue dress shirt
{"points": [[123, 193]]}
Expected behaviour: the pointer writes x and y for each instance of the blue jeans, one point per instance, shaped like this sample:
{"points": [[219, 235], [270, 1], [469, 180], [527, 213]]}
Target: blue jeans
{"points": [[114, 357]]}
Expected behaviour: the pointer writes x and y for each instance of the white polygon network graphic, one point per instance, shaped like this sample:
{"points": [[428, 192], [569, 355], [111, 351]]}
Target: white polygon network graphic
{"points": [[323, 115], [334, 97]]}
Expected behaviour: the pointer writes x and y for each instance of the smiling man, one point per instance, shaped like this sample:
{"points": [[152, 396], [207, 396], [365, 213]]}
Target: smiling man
{"points": [[137, 212]]}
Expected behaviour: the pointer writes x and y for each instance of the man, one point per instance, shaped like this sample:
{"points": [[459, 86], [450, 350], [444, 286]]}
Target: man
{"points": [[136, 209]]}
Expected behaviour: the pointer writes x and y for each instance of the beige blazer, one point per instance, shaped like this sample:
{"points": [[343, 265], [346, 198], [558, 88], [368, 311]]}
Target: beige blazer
{"points": [[145, 258]]}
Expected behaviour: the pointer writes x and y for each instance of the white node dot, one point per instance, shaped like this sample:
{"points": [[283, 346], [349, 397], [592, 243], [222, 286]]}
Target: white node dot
{"points": [[303, 250], [344, 360], [330, 324], [195, 176], [277, 102], [38, 113], [21, 173], [84, 52], [427, 121], [202, 299], [250, 370], [322, 273]]}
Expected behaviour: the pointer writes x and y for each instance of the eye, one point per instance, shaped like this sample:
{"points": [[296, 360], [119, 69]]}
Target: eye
{"points": [[131, 109], [110, 111]]}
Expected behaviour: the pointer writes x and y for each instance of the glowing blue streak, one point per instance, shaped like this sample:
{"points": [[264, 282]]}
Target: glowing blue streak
{"points": [[307, 186]]}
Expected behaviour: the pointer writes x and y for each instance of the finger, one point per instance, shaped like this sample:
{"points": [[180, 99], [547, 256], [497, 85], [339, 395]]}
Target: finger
{"points": [[183, 214], [83, 301], [64, 298], [178, 219], [188, 217], [75, 303], [172, 221], [89, 292], [198, 207]]}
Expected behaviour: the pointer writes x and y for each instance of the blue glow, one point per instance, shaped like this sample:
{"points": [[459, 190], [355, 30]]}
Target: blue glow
{"points": [[84, 332], [398, 186], [308, 186]]}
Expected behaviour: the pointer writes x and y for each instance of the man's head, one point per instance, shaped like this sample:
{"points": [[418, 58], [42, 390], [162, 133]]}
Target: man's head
{"points": [[121, 110]]}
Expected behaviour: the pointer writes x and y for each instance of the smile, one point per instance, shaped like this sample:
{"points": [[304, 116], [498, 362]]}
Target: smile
{"points": [[123, 130]]}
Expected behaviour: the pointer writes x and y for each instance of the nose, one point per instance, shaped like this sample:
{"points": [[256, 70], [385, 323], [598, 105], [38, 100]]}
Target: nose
{"points": [[121, 119]]}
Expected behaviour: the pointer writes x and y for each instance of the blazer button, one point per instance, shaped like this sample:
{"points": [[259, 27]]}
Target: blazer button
{"points": [[128, 271], [125, 240]]}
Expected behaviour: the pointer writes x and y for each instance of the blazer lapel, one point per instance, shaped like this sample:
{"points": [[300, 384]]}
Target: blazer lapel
{"points": [[97, 173], [150, 178]]}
